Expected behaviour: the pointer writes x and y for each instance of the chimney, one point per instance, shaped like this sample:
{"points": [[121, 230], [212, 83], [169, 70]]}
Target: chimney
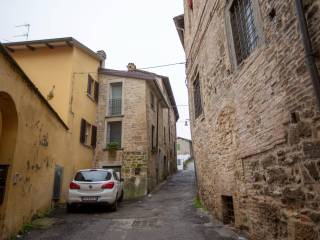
{"points": [[131, 67], [103, 55]]}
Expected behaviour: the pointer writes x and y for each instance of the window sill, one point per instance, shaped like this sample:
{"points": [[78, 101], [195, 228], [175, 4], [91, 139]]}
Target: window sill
{"points": [[87, 146], [114, 116], [107, 150], [91, 97]]}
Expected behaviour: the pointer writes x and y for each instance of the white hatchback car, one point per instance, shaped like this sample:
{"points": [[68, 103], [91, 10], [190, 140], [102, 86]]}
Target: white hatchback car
{"points": [[95, 186]]}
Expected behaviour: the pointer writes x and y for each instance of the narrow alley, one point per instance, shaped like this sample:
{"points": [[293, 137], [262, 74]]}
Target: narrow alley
{"points": [[169, 213]]}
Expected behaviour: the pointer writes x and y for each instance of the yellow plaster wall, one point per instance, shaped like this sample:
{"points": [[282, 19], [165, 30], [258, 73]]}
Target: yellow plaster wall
{"points": [[33, 165], [47, 68], [83, 106], [29, 185]]}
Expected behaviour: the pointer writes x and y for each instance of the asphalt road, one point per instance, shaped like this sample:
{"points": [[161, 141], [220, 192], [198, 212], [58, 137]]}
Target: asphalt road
{"points": [[169, 213]]}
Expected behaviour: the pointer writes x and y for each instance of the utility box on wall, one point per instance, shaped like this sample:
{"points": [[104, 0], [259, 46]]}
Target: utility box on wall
{"points": [[58, 174]]}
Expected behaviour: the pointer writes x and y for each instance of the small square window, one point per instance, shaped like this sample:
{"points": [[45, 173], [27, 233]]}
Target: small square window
{"points": [[244, 30]]}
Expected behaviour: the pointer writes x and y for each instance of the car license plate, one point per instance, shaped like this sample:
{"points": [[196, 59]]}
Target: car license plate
{"points": [[89, 199]]}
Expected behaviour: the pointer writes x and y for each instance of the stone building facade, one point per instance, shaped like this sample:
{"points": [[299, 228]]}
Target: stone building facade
{"points": [[254, 116], [136, 128]]}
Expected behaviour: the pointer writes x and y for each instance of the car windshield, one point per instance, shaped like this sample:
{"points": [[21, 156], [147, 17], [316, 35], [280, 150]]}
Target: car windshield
{"points": [[92, 176]]}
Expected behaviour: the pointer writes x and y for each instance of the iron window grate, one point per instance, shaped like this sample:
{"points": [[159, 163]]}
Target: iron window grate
{"points": [[243, 28]]}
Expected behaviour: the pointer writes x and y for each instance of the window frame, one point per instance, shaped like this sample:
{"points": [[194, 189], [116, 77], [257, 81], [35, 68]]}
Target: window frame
{"points": [[108, 132], [230, 37], [197, 113], [153, 137], [88, 134], [111, 85], [92, 88], [152, 101]]}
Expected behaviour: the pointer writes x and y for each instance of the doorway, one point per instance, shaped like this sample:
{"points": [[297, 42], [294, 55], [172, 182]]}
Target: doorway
{"points": [[8, 136]]}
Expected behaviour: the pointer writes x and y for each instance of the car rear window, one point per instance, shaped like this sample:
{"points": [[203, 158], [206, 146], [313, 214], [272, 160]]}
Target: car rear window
{"points": [[92, 176]]}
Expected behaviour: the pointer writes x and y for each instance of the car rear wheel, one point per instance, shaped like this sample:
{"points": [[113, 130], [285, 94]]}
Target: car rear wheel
{"points": [[70, 208], [114, 206], [121, 197]]}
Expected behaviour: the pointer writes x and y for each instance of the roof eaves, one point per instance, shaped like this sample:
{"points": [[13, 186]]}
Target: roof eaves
{"points": [[179, 23], [68, 40], [184, 139], [168, 89], [150, 77], [171, 96]]}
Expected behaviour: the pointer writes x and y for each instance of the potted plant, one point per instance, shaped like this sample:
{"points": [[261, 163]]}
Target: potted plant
{"points": [[113, 146]]}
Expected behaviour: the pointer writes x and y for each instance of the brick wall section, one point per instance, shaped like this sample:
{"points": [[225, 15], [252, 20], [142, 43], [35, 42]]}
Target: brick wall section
{"points": [[258, 138]]}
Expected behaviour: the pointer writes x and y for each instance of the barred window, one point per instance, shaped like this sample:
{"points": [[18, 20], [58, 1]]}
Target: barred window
{"points": [[244, 30], [197, 98]]}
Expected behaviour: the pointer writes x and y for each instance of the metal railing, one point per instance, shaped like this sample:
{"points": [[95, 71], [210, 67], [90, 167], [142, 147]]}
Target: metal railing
{"points": [[115, 106]]}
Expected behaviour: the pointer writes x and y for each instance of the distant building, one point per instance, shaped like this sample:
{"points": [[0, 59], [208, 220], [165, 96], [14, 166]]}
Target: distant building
{"points": [[184, 152], [136, 122]]}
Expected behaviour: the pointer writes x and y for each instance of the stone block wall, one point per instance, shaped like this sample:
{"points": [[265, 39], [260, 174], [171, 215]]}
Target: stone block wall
{"points": [[134, 172], [257, 140]]}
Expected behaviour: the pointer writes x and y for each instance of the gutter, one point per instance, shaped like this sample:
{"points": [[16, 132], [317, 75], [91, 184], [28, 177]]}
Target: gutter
{"points": [[309, 52]]}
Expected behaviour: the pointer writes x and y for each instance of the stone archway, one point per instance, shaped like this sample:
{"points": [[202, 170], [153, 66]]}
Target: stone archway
{"points": [[8, 136]]}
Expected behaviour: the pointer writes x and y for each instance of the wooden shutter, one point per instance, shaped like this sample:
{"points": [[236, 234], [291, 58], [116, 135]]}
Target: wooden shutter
{"points": [[94, 136], [89, 85], [83, 131], [96, 91]]}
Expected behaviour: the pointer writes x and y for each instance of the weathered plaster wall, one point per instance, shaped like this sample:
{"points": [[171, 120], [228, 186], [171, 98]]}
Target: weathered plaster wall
{"points": [[68, 70], [41, 143], [258, 137]]}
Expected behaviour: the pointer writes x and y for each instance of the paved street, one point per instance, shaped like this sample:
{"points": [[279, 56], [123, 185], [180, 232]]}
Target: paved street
{"points": [[168, 214]]}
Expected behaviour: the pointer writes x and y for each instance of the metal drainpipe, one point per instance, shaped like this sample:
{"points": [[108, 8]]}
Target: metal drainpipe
{"points": [[309, 53], [157, 140]]}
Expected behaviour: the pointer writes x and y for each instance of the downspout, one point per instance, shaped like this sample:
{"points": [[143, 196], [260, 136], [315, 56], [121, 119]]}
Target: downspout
{"points": [[157, 142], [309, 53], [157, 135]]}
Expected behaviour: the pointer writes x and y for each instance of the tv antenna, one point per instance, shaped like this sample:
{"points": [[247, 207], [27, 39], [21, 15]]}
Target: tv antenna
{"points": [[26, 34]]}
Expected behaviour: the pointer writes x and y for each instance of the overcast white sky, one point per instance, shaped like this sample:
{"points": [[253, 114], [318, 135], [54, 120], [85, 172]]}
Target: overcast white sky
{"points": [[140, 31]]}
